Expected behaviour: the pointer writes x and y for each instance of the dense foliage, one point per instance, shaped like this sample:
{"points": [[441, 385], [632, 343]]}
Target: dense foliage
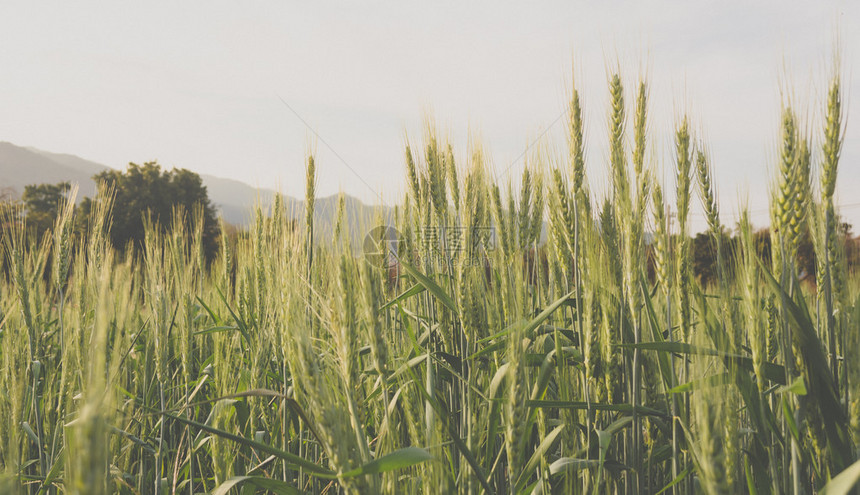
{"points": [[147, 188], [42, 203], [142, 194]]}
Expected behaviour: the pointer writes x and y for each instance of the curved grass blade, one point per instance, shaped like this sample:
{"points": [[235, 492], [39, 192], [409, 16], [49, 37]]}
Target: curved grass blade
{"points": [[398, 459], [545, 446], [604, 437], [54, 472], [819, 379], [292, 460], [429, 284], [571, 463], [708, 381], [843, 482], [772, 372], [675, 481], [535, 322], [412, 291], [493, 419], [269, 485], [662, 358]]}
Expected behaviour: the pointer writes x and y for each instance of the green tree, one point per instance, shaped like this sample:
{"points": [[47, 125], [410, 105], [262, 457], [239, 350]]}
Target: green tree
{"points": [[42, 204], [704, 249], [149, 188]]}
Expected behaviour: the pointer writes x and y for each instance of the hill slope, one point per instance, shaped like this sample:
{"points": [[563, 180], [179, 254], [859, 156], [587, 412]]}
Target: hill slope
{"points": [[20, 166]]}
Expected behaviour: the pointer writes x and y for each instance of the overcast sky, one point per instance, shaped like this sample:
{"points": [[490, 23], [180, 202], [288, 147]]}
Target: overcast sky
{"points": [[199, 85]]}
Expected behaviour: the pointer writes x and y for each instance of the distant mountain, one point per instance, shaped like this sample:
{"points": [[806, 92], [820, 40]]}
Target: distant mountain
{"points": [[72, 161], [235, 200], [20, 166]]}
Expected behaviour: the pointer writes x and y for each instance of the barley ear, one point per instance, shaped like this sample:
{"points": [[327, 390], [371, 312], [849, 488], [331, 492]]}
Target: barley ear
{"points": [[616, 139], [706, 190], [577, 144], [524, 208], [783, 203], [683, 160], [661, 238], [63, 239], [453, 180]]}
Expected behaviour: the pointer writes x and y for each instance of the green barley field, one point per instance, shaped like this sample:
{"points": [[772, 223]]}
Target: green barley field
{"points": [[471, 354]]}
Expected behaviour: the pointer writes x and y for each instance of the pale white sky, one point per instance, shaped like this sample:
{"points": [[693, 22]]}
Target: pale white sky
{"points": [[197, 84]]}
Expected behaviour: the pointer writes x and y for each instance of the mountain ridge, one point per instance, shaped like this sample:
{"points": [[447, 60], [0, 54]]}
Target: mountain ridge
{"points": [[233, 199]]}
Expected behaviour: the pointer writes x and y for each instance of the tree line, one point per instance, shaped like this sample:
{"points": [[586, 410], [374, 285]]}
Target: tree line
{"points": [[142, 193], [704, 252]]}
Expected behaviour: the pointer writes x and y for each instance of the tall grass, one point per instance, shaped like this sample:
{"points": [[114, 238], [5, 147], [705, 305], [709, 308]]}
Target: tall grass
{"points": [[484, 360]]}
